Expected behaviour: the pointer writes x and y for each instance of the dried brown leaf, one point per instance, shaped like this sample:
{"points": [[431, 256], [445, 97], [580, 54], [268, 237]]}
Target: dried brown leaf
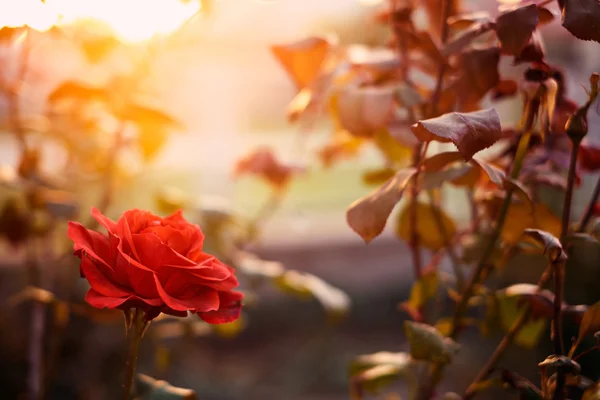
{"points": [[368, 216]]}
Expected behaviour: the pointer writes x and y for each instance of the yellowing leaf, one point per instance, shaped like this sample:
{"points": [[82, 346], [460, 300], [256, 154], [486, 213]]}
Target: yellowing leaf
{"points": [[378, 176], [152, 389], [401, 360], [427, 227], [393, 150], [509, 309], [422, 291], [368, 215], [470, 132], [426, 343], [303, 60], [335, 301], [151, 139], [589, 324]]}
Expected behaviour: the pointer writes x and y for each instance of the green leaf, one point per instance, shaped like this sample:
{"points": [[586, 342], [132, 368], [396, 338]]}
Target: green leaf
{"points": [[509, 309], [426, 343], [152, 389], [470, 132], [368, 215]]}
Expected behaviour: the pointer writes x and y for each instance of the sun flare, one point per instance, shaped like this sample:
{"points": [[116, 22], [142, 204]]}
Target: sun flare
{"points": [[129, 20]]}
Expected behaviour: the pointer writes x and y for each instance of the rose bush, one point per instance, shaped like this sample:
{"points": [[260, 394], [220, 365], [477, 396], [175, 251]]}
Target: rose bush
{"points": [[156, 264]]}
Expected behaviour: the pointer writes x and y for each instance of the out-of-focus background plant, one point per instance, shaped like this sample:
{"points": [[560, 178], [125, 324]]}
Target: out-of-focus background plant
{"points": [[183, 104]]}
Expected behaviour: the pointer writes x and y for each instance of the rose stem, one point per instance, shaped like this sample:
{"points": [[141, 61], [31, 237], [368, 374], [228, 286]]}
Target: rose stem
{"points": [[134, 336]]}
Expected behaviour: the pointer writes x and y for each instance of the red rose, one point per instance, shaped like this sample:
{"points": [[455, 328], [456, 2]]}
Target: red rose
{"points": [[156, 264]]}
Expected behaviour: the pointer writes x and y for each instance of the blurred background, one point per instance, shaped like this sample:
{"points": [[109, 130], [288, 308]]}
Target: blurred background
{"points": [[222, 83]]}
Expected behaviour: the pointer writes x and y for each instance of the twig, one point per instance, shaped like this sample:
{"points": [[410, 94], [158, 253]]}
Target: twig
{"points": [[589, 211], [435, 98], [506, 341]]}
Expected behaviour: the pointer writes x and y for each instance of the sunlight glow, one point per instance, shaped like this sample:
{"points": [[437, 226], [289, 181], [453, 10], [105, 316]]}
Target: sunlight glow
{"points": [[129, 20]]}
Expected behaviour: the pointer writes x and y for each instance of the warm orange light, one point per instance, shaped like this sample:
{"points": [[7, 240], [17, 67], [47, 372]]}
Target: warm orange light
{"points": [[130, 20]]}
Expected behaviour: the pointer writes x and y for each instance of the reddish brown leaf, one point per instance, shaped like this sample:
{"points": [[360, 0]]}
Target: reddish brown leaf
{"points": [[582, 18], [470, 132], [263, 163], [589, 157], [545, 16], [479, 70], [303, 59], [465, 38], [368, 215], [533, 51], [552, 247], [514, 28]]}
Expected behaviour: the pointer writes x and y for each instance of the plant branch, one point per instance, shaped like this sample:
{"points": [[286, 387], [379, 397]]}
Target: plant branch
{"points": [[427, 389], [435, 98], [589, 211], [506, 341], [414, 241]]}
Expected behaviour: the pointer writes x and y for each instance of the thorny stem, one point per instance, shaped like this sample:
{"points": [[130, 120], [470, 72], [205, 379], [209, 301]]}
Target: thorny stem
{"points": [[589, 211], [428, 388], [506, 341]]}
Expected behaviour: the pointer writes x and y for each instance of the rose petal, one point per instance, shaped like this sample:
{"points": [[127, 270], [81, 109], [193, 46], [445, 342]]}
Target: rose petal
{"points": [[203, 301], [193, 231], [229, 309], [98, 300], [154, 254], [137, 276], [92, 243], [101, 281], [106, 222]]}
